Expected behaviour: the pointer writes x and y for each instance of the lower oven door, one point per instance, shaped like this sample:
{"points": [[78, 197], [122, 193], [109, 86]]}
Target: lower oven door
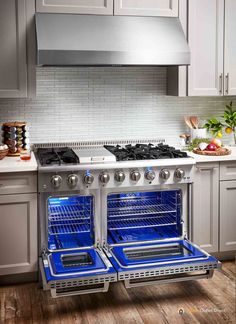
{"points": [[76, 272], [166, 261]]}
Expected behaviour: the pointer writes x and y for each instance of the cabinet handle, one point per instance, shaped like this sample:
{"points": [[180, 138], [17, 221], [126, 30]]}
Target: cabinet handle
{"points": [[206, 168], [227, 83], [221, 83]]}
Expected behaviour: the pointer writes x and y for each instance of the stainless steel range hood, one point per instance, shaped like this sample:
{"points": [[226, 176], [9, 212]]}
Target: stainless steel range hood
{"points": [[89, 40]]}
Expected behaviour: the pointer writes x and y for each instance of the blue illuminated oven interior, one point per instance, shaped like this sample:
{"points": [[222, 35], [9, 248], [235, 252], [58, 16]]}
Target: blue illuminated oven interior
{"points": [[144, 216], [70, 222]]}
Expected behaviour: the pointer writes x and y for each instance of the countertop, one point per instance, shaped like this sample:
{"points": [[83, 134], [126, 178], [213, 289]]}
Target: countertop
{"points": [[204, 158], [15, 164]]}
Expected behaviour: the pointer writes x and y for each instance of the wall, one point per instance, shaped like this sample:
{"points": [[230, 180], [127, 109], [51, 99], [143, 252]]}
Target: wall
{"points": [[105, 103]]}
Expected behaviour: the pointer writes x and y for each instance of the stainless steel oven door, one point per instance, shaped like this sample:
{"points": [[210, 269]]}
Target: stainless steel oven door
{"points": [[146, 239], [72, 262]]}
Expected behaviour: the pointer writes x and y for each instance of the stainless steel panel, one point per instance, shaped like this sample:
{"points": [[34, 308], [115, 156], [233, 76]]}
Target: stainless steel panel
{"points": [[65, 39]]}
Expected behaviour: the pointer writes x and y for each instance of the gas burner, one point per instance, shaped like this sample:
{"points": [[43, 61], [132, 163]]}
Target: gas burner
{"points": [[57, 156], [145, 152]]}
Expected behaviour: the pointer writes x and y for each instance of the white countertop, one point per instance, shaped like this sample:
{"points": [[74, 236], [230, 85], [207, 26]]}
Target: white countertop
{"points": [[205, 158], [15, 164]]}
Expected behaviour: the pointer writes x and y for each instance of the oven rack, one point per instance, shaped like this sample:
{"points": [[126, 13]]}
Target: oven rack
{"points": [[69, 212], [141, 223], [144, 209], [68, 227]]}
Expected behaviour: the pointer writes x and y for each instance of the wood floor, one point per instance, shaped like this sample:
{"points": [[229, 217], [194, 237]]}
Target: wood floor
{"points": [[205, 301]]}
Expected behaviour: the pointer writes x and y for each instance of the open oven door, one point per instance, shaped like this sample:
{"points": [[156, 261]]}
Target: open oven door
{"points": [[163, 262], [76, 272]]}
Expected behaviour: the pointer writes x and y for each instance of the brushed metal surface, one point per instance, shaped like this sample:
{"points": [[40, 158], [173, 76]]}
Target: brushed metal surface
{"points": [[67, 39]]}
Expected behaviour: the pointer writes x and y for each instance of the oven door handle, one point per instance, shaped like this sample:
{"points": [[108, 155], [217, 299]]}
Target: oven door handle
{"points": [[55, 293], [131, 283]]}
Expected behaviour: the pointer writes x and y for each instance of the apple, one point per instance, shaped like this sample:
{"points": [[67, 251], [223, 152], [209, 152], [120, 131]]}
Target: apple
{"points": [[211, 147], [217, 142]]}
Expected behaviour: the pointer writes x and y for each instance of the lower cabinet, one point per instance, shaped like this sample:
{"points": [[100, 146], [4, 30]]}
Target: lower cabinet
{"points": [[18, 233], [206, 206], [214, 206], [228, 215]]}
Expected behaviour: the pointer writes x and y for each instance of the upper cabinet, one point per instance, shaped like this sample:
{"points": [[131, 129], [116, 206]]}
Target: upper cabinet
{"points": [[230, 47], [166, 8], [17, 74], [96, 7], [213, 48], [13, 68]]}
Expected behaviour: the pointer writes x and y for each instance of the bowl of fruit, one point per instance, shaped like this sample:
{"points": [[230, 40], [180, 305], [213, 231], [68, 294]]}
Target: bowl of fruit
{"points": [[211, 147]]}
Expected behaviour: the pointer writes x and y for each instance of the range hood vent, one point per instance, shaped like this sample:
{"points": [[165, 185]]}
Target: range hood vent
{"points": [[89, 40]]}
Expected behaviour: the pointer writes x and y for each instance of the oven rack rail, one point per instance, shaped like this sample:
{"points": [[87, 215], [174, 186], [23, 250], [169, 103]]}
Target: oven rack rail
{"points": [[141, 223], [68, 227], [141, 210], [69, 212]]}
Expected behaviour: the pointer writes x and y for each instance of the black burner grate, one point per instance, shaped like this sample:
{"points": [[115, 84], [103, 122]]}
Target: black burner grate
{"points": [[57, 156], [145, 152]]}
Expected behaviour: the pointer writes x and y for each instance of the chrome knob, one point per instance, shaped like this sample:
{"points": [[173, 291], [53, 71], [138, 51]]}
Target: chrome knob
{"points": [[72, 180], [164, 174], [104, 178], [88, 178], [56, 181], [135, 176], [150, 175], [119, 176], [179, 174]]}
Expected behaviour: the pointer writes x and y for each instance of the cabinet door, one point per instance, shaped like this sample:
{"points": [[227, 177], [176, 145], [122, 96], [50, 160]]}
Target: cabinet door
{"points": [[13, 70], [205, 206], [206, 29], [96, 7], [18, 233], [227, 216], [164, 8], [230, 47]]}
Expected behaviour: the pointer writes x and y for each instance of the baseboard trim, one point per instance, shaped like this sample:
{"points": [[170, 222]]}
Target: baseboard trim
{"points": [[19, 278]]}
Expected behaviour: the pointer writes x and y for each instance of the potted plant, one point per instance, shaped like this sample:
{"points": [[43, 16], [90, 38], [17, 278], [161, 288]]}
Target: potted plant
{"points": [[228, 123]]}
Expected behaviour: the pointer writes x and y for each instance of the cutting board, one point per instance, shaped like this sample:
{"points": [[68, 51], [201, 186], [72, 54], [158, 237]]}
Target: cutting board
{"points": [[219, 152]]}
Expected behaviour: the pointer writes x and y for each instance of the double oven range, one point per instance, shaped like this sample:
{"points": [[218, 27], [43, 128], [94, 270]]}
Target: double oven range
{"points": [[116, 213]]}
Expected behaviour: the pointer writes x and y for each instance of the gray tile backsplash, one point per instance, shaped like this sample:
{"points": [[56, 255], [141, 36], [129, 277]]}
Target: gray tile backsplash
{"points": [[82, 103]]}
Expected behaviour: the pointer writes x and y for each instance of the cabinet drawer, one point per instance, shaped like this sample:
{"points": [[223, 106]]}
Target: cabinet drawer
{"points": [[228, 170], [20, 182]]}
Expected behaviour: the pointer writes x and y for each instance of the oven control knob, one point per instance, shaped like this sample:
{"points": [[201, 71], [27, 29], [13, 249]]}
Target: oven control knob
{"points": [[179, 174], [119, 176], [150, 175], [104, 177], [72, 180], [164, 174], [135, 176], [88, 178], [56, 181]]}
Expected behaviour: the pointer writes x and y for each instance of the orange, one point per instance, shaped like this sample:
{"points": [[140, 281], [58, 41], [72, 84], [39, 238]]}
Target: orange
{"points": [[228, 130]]}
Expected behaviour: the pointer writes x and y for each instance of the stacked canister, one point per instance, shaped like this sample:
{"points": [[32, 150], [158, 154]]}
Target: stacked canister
{"points": [[15, 136]]}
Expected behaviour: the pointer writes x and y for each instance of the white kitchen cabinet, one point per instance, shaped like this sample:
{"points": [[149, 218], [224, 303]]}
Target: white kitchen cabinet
{"points": [[227, 216], [213, 49], [162, 8], [13, 68], [18, 233], [96, 7], [230, 48], [18, 219], [17, 76], [206, 40], [206, 206]]}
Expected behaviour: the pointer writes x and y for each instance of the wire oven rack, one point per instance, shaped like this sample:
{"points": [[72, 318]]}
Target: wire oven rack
{"points": [[69, 218], [129, 212]]}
